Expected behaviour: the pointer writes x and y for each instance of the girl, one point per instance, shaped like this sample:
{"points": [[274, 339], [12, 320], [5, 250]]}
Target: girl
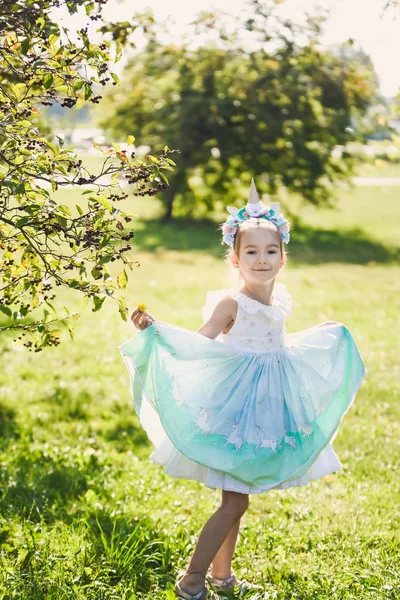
{"points": [[240, 405]]}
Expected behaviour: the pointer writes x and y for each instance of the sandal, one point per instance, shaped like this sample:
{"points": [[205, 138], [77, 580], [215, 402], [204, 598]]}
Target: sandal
{"points": [[228, 584], [204, 594]]}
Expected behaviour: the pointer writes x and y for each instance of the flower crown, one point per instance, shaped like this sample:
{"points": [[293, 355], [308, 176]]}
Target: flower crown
{"points": [[254, 209]]}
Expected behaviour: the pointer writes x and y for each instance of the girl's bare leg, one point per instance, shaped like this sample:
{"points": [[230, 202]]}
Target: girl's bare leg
{"points": [[212, 537], [221, 564]]}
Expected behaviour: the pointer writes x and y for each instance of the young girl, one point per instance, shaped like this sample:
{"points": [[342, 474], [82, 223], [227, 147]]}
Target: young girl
{"points": [[240, 405]]}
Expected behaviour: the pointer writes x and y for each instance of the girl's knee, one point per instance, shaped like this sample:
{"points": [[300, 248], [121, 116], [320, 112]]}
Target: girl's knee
{"points": [[234, 503]]}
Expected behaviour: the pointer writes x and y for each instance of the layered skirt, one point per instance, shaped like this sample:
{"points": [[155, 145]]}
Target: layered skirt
{"points": [[243, 421]]}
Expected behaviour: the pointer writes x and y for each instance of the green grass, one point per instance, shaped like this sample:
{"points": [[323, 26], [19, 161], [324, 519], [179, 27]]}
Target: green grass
{"points": [[85, 515]]}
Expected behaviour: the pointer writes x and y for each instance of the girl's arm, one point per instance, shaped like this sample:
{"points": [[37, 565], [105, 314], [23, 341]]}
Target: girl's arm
{"points": [[222, 319]]}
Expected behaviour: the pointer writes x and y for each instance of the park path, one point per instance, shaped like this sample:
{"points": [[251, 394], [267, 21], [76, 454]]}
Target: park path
{"points": [[376, 181]]}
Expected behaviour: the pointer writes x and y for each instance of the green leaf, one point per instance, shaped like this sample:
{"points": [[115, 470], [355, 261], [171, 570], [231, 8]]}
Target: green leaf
{"points": [[65, 209], [53, 39], [118, 54], [25, 45], [51, 306], [78, 208], [98, 302], [116, 147], [96, 273], [48, 81], [78, 85], [40, 21], [124, 313], [6, 311], [122, 280], [103, 201], [104, 241], [52, 147], [98, 148], [130, 139], [105, 259], [88, 91], [164, 177], [115, 78], [70, 330], [21, 222], [153, 159]]}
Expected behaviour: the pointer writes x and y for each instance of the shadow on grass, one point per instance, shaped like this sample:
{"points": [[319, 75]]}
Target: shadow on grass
{"points": [[44, 480], [37, 486], [9, 430], [120, 426], [307, 246]]}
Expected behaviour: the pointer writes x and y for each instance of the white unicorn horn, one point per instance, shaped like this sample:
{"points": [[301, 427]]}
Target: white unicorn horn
{"points": [[254, 204], [253, 196]]}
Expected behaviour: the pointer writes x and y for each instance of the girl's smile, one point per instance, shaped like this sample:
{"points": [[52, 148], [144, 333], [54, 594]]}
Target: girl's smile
{"points": [[259, 258]]}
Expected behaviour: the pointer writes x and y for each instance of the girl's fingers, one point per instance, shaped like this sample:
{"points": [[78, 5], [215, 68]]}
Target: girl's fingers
{"points": [[141, 319]]}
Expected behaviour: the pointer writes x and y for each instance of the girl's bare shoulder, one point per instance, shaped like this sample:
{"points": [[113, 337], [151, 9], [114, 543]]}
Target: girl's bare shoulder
{"points": [[227, 305]]}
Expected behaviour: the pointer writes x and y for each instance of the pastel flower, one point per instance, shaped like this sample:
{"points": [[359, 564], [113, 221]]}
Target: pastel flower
{"points": [[228, 229], [280, 220], [272, 214], [242, 213]]}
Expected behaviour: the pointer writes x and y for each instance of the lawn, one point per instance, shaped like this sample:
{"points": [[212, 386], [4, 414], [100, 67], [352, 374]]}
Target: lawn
{"points": [[85, 515]]}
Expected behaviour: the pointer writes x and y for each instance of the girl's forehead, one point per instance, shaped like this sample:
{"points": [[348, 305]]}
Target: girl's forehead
{"points": [[259, 236]]}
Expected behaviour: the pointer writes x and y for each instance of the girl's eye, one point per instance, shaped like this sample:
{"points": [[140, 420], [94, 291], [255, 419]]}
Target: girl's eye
{"points": [[251, 252], [271, 251]]}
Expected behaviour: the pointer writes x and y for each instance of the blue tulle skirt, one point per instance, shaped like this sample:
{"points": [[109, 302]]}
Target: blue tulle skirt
{"points": [[263, 418]]}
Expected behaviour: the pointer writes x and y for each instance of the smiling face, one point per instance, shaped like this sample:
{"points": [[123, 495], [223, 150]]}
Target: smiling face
{"points": [[258, 252]]}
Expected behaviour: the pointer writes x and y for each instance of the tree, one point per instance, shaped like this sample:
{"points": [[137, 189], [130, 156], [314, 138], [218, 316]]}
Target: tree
{"points": [[46, 246], [271, 107]]}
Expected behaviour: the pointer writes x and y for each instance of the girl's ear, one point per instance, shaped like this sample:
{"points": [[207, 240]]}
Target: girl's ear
{"points": [[283, 259], [234, 259]]}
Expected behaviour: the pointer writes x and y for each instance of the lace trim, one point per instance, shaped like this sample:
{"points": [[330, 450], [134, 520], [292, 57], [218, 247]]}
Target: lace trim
{"points": [[281, 302]]}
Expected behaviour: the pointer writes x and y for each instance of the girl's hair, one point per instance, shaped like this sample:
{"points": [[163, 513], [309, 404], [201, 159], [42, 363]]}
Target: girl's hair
{"points": [[255, 223]]}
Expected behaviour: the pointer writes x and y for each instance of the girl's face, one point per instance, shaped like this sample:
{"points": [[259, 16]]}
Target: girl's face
{"points": [[259, 257]]}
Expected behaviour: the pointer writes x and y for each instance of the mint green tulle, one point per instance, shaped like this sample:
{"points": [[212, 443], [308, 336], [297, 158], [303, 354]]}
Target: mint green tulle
{"points": [[262, 417]]}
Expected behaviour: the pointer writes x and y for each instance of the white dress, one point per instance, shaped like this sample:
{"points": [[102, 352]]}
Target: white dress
{"points": [[252, 316]]}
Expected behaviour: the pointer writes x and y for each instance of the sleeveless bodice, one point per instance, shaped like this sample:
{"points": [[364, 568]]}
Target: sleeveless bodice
{"points": [[257, 327]]}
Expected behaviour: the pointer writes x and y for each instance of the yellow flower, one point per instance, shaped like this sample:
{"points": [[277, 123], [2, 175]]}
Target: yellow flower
{"points": [[141, 306]]}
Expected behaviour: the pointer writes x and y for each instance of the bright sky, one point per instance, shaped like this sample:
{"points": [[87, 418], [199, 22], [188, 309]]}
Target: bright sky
{"points": [[363, 20]]}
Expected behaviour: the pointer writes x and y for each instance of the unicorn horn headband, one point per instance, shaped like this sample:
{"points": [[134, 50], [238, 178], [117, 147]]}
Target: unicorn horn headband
{"points": [[254, 209]]}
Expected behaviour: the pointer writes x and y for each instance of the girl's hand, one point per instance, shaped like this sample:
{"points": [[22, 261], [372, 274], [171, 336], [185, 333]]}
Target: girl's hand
{"points": [[141, 319]]}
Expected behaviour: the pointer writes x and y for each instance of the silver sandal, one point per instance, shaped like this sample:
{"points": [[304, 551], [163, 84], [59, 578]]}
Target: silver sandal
{"points": [[204, 594], [227, 584]]}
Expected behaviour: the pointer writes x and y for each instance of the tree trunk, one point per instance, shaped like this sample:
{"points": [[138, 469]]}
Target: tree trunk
{"points": [[176, 184]]}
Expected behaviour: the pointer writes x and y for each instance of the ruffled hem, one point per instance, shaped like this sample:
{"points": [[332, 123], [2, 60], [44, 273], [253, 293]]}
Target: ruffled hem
{"points": [[180, 467]]}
